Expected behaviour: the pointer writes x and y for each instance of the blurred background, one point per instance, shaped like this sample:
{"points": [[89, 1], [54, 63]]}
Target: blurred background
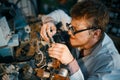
{"points": [[35, 7]]}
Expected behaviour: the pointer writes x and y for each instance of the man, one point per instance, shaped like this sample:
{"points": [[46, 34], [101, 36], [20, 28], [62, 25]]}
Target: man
{"points": [[100, 59]]}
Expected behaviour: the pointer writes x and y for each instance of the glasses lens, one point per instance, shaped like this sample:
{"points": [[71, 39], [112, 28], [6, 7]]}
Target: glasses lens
{"points": [[70, 27]]}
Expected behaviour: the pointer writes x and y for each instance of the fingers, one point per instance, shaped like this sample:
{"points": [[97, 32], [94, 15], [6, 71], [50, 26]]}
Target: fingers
{"points": [[60, 52], [47, 29], [44, 33], [57, 46], [51, 30], [56, 50]]}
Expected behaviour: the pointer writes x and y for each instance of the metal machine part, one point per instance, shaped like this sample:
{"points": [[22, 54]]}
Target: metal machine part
{"points": [[42, 73], [23, 53], [5, 32], [63, 72], [40, 60], [30, 58], [10, 70], [26, 72]]}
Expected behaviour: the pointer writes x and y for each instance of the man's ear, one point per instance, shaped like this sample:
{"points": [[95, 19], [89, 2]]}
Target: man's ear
{"points": [[97, 33]]}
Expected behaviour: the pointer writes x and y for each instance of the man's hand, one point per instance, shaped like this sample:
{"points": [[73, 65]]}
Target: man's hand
{"points": [[47, 30], [60, 52]]}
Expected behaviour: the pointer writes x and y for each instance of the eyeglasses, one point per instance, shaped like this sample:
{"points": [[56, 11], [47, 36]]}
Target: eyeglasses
{"points": [[70, 27]]}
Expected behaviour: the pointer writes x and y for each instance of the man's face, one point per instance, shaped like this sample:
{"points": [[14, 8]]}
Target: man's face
{"points": [[83, 36]]}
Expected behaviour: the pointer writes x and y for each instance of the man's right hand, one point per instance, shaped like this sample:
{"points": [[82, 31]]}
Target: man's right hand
{"points": [[47, 30]]}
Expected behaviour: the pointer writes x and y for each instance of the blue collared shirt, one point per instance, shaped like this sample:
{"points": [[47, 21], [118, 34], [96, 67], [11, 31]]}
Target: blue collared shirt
{"points": [[102, 64]]}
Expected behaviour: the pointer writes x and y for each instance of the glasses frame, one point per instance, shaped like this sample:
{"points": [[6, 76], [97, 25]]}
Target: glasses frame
{"points": [[70, 27]]}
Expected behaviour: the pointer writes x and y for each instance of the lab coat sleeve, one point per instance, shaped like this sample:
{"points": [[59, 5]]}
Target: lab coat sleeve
{"points": [[75, 71], [77, 76], [60, 16]]}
